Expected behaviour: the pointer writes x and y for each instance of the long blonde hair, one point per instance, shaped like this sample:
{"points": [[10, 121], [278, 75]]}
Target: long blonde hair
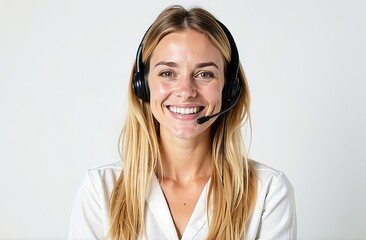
{"points": [[139, 145]]}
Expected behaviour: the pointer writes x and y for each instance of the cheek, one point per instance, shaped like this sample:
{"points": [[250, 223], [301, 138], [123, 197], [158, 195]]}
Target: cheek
{"points": [[159, 92], [214, 96]]}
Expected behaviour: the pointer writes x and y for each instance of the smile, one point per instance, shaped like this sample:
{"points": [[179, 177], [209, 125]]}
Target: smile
{"points": [[184, 111]]}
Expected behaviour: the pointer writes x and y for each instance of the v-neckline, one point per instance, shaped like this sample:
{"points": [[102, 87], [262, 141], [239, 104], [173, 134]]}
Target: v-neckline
{"points": [[160, 209]]}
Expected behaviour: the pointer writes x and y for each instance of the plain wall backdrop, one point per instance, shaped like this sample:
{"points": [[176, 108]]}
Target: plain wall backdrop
{"points": [[64, 69]]}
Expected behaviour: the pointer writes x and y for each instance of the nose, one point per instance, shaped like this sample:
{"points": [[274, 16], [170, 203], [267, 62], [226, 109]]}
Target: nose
{"points": [[185, 88]]}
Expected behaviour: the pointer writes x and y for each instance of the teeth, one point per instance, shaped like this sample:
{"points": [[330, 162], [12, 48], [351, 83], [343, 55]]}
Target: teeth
{"points": [[183, 110]]}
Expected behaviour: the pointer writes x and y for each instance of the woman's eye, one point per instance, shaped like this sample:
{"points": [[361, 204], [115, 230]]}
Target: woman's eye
{"points": [[205, 75], [166, 74]]}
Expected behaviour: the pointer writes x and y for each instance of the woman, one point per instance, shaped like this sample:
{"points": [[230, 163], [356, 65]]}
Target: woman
{"points": [[184, 172]]}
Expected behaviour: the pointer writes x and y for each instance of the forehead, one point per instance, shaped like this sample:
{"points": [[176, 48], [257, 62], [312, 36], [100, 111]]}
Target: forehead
{"points": [[188, 45]]}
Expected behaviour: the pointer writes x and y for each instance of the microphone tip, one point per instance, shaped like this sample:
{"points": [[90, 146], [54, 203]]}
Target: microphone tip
{"points": [[202, 120]]}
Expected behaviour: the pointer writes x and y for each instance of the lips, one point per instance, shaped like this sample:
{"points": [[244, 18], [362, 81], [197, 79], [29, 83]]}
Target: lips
{"points": [[185, 110]]}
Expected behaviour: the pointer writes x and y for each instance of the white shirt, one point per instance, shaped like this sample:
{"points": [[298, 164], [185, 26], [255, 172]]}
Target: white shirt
{"points": [[274, 215]]}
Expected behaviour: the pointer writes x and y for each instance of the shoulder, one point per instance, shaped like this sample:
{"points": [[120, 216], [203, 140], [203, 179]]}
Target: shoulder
{"points": [[264, 170], [273, 189], [274, 214], [268, 177], [104, 177], [106, 171], [90, 212], [98, 183]]}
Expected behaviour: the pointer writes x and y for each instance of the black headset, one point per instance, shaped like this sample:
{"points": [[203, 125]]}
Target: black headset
{"points": [[232, 86]]}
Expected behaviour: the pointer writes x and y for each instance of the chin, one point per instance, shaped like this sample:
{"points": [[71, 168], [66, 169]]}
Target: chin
{"points": [[185, 134], [188, 132]]}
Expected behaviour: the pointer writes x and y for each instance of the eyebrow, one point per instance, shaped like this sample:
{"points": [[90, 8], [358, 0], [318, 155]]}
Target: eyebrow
{"points": [[199, 65], [169, 64], [206, 64]]}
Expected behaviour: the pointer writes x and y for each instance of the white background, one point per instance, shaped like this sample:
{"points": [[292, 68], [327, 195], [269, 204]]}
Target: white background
{"points": [[64, 68]]}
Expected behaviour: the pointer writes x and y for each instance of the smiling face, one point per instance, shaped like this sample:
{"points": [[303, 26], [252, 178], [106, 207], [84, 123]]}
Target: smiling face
{"points": [[186, 79]]}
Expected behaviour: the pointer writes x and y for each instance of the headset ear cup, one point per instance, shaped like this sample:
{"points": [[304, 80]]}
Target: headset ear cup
{"points": [[235, 91], [230, 92], [140, 87], [224, 97], [146, 89]]}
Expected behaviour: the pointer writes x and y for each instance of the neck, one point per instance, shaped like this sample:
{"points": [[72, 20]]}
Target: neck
{"points": [[186, 160]]}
